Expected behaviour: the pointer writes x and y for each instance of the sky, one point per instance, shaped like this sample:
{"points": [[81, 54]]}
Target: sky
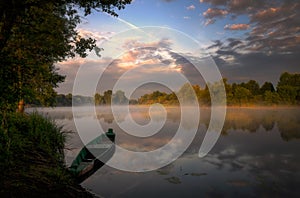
{"points": [[157, 40]]}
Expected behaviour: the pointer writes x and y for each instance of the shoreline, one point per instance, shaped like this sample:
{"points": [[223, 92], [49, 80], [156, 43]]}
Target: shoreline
{"points": [[175, 106]]}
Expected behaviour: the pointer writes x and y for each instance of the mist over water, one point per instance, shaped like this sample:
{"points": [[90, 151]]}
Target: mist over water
{"points": [[256, 155]]}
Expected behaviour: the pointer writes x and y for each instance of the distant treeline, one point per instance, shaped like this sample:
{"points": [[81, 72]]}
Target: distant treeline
{"points": [[105, 99], [287, 92], [66, 100]]}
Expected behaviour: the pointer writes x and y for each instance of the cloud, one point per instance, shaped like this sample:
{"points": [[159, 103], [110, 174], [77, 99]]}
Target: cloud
{"points": [[162, 43], [153, 53], [275, 25], [214, 12], [142, 60], [237, 27], [240, 6], [191, 7], [214, 2], [217, 44], [70, 67], [236, 5], [186, 17], [99, 36], [238, 64], [209, 22], [265, 14]]}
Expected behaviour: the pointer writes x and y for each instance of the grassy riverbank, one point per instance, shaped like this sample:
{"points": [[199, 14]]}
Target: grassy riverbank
{"points": [[32, 159]]}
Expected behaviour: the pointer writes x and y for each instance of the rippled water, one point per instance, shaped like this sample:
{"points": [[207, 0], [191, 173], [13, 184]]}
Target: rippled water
{"points": [[256, 155]]}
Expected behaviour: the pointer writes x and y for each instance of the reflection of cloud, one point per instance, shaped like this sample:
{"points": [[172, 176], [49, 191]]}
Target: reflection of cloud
{"points": [[262, 173], [259, 163], [229, 151], [148, 144]]}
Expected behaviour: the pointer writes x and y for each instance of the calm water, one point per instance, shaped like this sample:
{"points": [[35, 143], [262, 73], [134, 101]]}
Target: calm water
{"points": [[258, 154]]}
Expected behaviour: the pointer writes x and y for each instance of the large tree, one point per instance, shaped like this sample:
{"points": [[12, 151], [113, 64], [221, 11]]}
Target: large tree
{"points": [[252, 86], [267, 86], [119, 98], [288, 88], [34, 35]]}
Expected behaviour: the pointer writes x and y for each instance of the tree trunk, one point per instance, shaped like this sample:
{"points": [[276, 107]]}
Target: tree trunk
{"points": [[21, 106]]}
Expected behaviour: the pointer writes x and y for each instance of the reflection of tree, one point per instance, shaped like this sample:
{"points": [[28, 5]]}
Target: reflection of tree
{"points": [[108, 118], [243, 120], [289, 125], [268, 122], [246, 119], [287, 120]]}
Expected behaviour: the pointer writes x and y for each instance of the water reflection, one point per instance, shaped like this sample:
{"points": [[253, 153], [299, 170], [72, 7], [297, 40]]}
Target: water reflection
{"points": [[287, 120], [257, 155]]}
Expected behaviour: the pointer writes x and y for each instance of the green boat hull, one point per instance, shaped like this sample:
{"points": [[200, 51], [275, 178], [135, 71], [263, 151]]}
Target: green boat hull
{"points": [[93, 156]]}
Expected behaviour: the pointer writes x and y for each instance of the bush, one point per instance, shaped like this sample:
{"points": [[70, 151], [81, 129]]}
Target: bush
{"points": [[32, 158]]}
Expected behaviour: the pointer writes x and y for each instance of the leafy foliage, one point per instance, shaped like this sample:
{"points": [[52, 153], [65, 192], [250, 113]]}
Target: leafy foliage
{"points": [[119, 98], [34, 35], [288, 88], [287, 92]]}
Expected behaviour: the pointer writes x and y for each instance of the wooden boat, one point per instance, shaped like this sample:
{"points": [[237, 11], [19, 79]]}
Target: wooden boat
{"points": [[93, 156]]}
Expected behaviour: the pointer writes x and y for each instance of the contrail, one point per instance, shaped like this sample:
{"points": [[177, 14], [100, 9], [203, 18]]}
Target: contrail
{"points": [[127, 23], [135, 27]]}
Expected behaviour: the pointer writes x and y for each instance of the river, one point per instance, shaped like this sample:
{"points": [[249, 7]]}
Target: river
{"points": [[257, 154]]}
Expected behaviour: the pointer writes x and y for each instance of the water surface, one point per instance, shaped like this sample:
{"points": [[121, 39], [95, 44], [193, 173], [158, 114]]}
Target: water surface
{"points": [[256, 155]]}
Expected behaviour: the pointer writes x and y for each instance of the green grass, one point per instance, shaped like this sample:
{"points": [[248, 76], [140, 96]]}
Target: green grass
{"points": [[32, 158]]}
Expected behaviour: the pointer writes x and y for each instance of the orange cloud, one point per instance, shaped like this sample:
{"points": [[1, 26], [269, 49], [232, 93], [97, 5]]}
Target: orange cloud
{"points": [[130, 56], [237, 27], [214, 12], [264, 14]]}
